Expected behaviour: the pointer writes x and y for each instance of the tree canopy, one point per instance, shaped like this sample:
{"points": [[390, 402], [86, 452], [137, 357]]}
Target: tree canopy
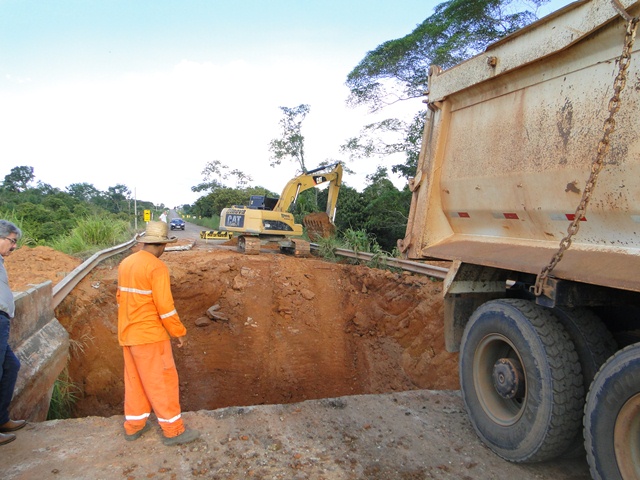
{"points": [[397, 70], [458, 29], [290, 145], [216, 173], [18, 179], [46, 212]]}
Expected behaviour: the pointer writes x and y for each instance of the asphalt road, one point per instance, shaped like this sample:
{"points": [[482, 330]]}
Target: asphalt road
{"points": [[191, 230]]}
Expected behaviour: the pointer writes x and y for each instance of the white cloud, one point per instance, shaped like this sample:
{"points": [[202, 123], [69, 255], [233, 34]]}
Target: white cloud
{"points": [[16, 80], [154, 132]]}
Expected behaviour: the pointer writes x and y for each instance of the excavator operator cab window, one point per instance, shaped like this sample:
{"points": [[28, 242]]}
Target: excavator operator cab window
{"points": [[260, 202]]}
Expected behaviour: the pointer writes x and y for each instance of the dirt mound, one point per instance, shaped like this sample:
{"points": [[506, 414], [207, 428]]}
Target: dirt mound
{"points": [[290, 329], [31, 266]]}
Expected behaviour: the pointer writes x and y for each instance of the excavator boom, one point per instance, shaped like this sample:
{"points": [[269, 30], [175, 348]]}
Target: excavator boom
{"points": [[266, 219], [308, 180]]}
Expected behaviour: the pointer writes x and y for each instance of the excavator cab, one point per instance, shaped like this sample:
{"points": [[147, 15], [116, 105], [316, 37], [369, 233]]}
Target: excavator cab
{"points": [[262, 202]]}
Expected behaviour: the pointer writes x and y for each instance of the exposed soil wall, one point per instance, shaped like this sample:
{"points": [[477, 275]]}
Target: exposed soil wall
{"points": [[290, 329]]}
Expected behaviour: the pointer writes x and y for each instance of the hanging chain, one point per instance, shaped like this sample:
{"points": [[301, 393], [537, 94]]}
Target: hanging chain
{"points": [[598, 163]]}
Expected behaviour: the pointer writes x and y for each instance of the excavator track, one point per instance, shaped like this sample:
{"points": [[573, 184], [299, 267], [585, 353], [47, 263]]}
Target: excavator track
{"points": [[302, 248], [249, 245]]}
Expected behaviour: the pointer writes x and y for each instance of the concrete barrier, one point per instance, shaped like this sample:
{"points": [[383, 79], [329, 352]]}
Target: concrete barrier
{"points": [[42, 345]]}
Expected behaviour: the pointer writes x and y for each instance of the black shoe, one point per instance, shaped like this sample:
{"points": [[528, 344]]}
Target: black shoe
{"points": [[185, 437], [138, 434]]}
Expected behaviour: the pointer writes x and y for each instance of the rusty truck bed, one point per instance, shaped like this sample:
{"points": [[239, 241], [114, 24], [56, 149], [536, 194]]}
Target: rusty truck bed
{"points": [[510, 138]]}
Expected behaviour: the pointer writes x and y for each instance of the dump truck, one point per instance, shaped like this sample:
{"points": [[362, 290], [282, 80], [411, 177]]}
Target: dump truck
{"points": [[528, 182]]}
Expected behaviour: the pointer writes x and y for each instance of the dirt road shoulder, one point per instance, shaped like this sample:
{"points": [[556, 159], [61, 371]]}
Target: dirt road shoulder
{"points": [[410, 435]]}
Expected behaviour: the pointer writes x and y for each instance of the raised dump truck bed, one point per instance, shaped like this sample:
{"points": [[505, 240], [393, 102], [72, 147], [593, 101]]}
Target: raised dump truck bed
{"points": [[510, 140], [510, 143]]}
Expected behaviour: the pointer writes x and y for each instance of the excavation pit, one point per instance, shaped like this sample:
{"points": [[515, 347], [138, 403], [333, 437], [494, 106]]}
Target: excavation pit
{"points": [[288, 329]]}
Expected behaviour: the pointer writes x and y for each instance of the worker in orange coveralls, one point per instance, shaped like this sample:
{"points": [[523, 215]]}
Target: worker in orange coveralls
{"points": [[147, 318]]}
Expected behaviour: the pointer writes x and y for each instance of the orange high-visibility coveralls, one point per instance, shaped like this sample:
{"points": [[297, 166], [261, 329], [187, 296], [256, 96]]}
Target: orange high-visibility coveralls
{"points": [[146, 319]]}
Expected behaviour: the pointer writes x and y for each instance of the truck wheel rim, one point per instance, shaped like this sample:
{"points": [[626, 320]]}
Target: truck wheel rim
{"points": [[490, 351], [626, 437]]}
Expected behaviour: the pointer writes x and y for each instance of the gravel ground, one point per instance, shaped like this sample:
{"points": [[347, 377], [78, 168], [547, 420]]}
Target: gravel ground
{"points": [[419, 434]]}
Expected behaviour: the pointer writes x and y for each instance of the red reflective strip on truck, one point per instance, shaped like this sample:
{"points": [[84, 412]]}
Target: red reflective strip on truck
{"points": [[571, 216], [464, 215], [510, 216]]}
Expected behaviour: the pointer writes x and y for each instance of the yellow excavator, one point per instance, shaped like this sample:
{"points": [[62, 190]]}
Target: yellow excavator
{"points": [[269, 220]]}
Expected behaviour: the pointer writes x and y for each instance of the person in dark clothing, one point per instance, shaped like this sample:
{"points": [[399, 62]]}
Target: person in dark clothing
{"points": [[9, 363]]}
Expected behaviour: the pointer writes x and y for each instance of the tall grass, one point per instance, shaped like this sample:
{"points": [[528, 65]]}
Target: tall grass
{"points": [[358, 241], [209, 223], [92, 234], [361, 241], [64, 396], [88, 236], [65, 393], [327, 247]]}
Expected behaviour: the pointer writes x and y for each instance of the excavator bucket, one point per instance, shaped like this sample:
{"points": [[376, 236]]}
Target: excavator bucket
{"points": [[318, 226]]}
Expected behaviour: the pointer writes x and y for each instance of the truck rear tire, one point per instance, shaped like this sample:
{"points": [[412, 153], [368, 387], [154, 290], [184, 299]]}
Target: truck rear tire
{"points": [[521, 381], [594, 345], [612, 418]]}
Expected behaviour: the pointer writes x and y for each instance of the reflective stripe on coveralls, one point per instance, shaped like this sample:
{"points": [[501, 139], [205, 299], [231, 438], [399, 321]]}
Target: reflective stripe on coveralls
{"points": [[146, 312], [151, 383], [135, 290], [147, 318]]}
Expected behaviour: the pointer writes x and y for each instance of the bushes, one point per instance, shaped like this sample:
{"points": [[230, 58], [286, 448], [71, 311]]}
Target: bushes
{"points": [[358, 241]]}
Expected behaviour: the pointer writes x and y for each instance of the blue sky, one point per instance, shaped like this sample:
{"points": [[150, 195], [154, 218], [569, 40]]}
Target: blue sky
{"points": [[145, 93]]}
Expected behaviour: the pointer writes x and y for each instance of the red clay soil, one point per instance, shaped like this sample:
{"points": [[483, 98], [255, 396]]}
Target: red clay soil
{"points": [[290, 332], [290, 329]]}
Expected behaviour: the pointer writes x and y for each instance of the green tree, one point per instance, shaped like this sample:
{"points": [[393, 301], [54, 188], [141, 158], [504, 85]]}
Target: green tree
{"points": [[215, 174], [18, 179], [46, 213], [397, 70], [83, 191], [212, 204], [290, 145], [36, 220], [386, 209], [349, 208], [45, 189], [458, 29], [115, 199], [203, 207], [389, 137]]}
